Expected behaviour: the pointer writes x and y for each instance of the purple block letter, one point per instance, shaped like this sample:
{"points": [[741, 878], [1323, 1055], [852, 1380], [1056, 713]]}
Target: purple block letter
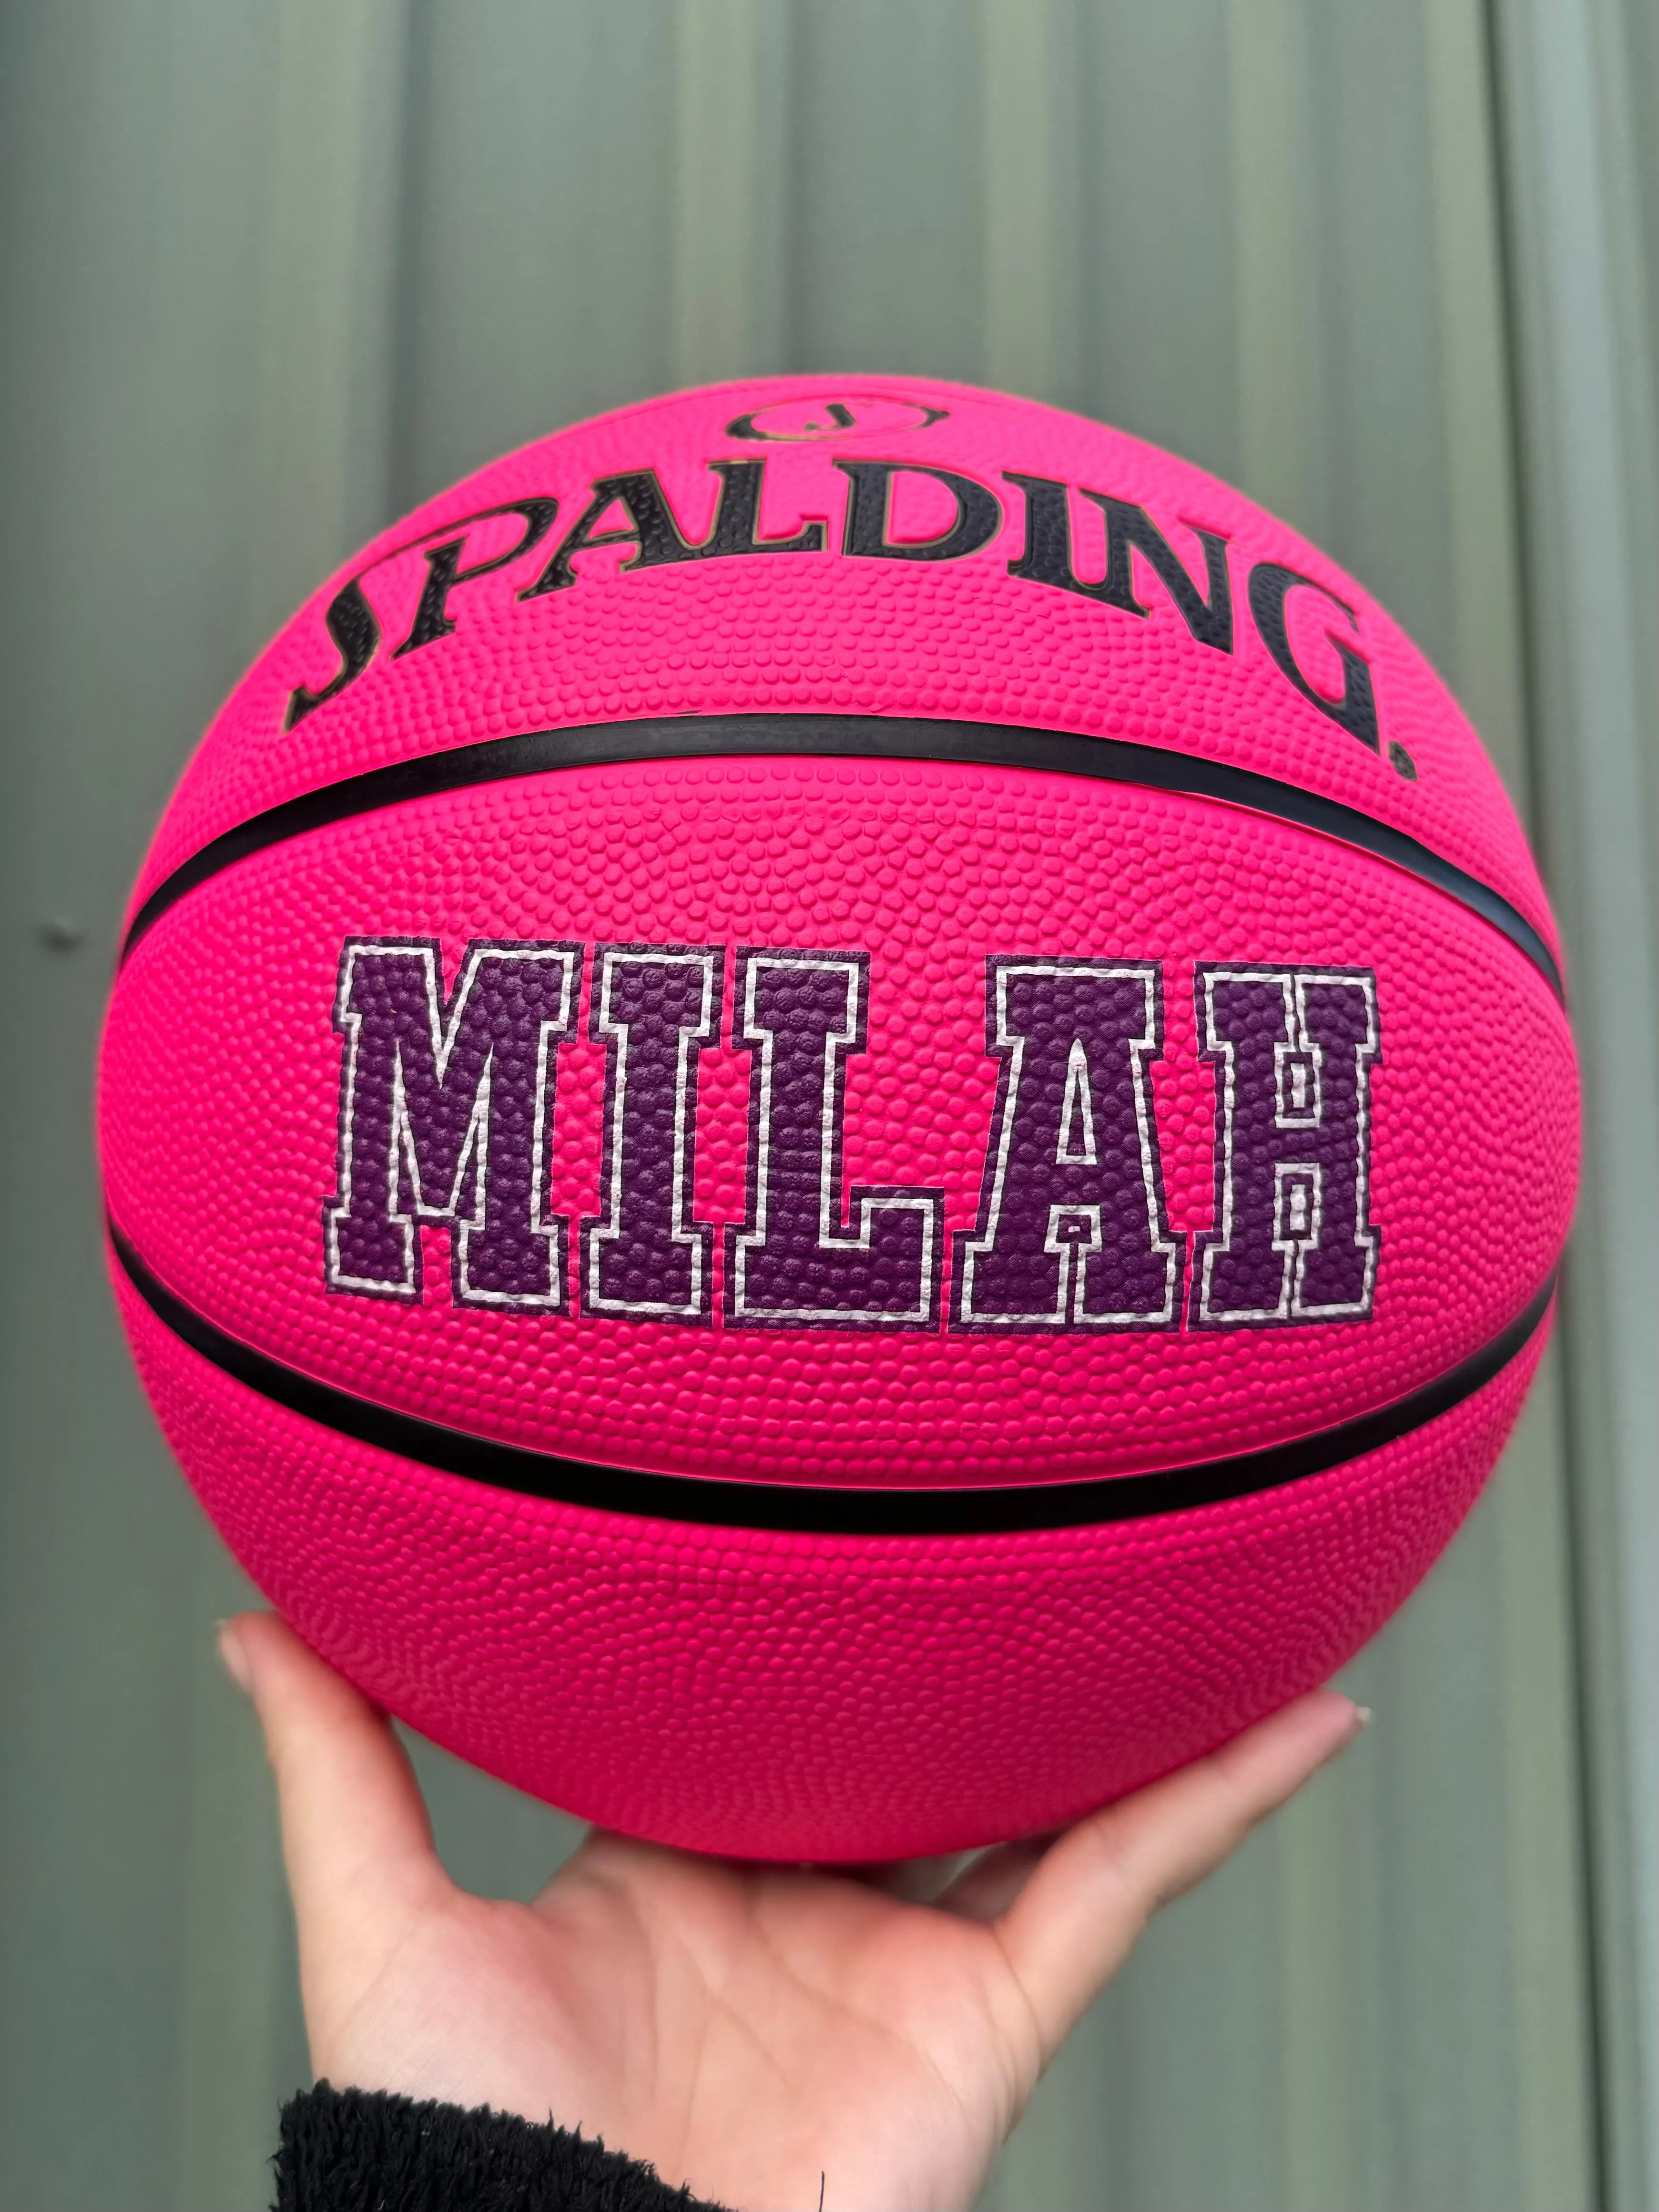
{"points": [[795, 1264], [655, 1007], [446, 1115], [1072, 1231], [1293, 1239]]}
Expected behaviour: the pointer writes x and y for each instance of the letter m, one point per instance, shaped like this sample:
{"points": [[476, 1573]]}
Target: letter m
{"points": [[446, 1116]]}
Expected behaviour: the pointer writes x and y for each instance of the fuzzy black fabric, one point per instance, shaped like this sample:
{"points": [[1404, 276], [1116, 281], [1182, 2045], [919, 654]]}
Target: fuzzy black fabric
{"points": [[353, 2150]]}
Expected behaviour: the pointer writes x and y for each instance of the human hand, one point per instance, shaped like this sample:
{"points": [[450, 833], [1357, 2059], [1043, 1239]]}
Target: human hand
{"points": [[747, 2029]]}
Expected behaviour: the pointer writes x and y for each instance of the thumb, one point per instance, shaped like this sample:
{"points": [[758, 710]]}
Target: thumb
{"points": [[1079, 1915], [355, 1837]]}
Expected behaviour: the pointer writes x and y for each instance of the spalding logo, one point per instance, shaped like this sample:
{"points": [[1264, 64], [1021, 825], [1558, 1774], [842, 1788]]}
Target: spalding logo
{"points": [[631, 508], [446, 1116]]}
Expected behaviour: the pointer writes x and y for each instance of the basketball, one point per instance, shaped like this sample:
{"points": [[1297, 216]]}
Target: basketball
{"points": [[837, 1115]]}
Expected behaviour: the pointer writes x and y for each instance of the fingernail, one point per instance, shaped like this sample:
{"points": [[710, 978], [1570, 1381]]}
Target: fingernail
{"points": [[1363, 1715], [234, 1653]]}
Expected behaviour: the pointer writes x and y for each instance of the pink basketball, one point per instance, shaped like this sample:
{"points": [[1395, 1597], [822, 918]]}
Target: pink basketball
{"points": [[837, 1116]]}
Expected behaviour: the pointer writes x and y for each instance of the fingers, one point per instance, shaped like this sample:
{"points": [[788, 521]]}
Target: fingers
{"points": [[354, 1825], [1076, 1913]]}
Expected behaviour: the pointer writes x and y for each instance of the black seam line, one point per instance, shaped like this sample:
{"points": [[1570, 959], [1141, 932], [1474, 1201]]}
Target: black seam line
{"points": [[992, 745], [714, 1502]]}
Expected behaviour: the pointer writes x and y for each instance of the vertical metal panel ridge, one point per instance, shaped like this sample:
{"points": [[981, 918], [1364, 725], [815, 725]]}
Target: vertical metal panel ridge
{"points": [[1144, 133], [1586, 374], [1018, 132], [885, 166], [730, 197], [322, 418], [1276, 284], [537, 281], [1551, 2012], [1478, 447]]}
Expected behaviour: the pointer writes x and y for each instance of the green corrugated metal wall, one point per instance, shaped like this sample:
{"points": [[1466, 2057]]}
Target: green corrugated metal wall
{"points": [[273, 271]]}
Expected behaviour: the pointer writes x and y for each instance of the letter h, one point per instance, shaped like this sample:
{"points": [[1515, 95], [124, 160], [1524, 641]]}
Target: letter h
{"points": [[1293, 1239]]}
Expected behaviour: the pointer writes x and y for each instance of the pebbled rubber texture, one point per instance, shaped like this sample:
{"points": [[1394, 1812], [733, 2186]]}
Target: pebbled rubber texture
{"points": [[852, 736], [812, 633], [802, 1695], [223, 1152], [860, 1509], [793, 1697]]}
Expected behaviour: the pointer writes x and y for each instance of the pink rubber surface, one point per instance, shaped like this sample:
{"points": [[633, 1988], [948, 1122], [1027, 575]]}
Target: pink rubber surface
{"points": [[821, 633], [818, 1696], [217, 1172], [792, 1697]]}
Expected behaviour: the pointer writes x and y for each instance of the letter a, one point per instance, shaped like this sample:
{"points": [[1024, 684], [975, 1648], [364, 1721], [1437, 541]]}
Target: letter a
{"points": [[1072, 1232]]}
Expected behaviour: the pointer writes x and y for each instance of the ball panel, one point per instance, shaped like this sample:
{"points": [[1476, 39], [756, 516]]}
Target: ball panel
{"points": [[224, 1074], [791, 1697], [834, 631]]}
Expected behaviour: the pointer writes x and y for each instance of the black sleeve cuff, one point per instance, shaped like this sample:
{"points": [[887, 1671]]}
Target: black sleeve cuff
{"points": [[354, 2150]]}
